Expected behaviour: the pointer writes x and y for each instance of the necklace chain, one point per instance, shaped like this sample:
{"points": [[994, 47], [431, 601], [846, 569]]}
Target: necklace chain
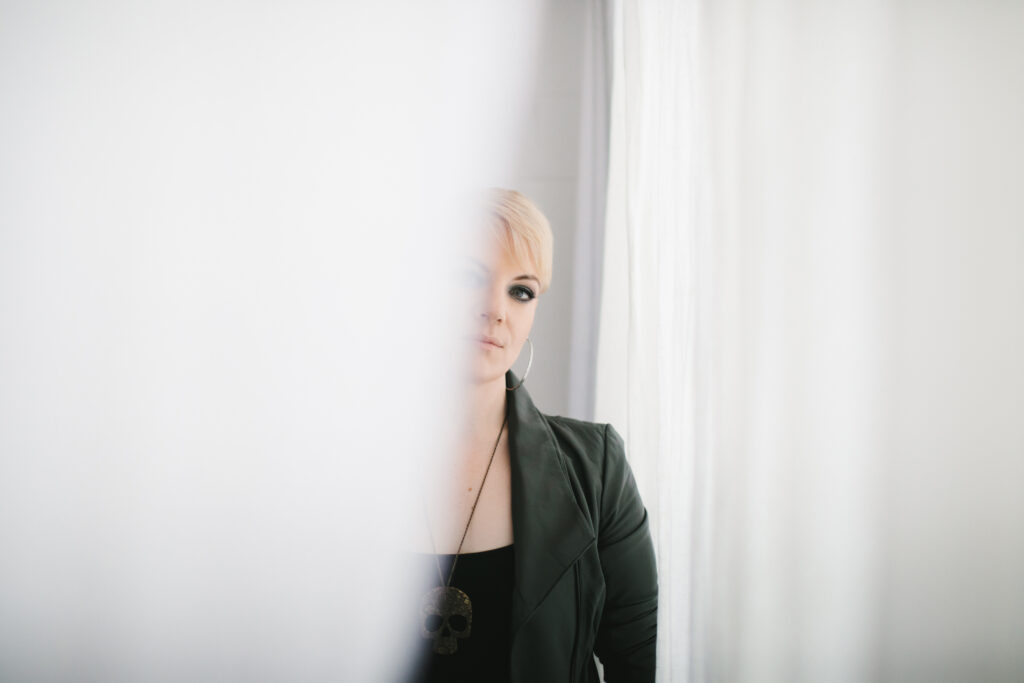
{"points": [[451, 573]]}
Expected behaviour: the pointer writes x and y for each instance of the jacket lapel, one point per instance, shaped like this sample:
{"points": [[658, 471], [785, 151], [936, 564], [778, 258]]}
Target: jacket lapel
{"points": [[549, 529]]}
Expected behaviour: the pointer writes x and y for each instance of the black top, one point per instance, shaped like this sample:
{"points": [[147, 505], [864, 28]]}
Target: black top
{"points": [[478, 635]]}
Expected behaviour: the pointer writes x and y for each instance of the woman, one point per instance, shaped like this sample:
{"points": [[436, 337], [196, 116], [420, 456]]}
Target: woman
{"points": [[547, 558]]}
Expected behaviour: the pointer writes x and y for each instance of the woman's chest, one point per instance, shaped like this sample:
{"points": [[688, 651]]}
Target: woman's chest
{"points": [[476, 502]]}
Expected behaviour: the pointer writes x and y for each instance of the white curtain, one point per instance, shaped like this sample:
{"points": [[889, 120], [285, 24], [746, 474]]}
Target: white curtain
{"points": [[811, 333]]}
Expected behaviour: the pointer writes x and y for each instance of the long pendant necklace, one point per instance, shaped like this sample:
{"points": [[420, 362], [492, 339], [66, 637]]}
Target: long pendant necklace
{"points": [[446, 613]]}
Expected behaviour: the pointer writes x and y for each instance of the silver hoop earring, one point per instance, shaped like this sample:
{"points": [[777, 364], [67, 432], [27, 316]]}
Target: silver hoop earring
{"points": [[528, 365]]}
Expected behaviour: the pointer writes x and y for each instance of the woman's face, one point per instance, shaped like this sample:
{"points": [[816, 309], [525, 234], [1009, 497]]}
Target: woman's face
{"points": [[505, 302]]}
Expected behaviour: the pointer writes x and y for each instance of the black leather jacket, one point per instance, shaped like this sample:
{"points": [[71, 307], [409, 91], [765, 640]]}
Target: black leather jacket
{"points": [[586, 579]]}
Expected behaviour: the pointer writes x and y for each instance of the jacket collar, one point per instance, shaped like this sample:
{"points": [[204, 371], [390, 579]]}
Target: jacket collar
{"points": [[549, 529]]}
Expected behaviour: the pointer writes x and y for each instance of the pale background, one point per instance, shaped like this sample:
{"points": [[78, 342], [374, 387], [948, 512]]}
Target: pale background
{"points": [[548, 172]]}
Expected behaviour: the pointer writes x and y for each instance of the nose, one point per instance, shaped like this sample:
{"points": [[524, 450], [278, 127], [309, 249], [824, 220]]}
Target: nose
{"points": [[492, 307]]}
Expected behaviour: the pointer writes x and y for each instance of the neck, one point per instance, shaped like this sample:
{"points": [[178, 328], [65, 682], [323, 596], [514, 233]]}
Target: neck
{"points": [[485, 404]]}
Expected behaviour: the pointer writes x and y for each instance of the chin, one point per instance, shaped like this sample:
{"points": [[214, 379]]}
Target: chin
{"points": [[485, 372]]}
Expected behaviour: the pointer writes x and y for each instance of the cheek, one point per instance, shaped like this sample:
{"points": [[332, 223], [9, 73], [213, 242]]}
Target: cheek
{"points": [[524, 323], [519, 335]]}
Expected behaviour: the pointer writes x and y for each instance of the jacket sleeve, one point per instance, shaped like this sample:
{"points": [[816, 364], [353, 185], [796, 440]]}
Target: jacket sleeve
{"points": [[627, 634]]}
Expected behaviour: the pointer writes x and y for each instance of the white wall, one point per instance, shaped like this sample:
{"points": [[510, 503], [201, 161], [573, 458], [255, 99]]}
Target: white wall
{"points": [[548, 173]]}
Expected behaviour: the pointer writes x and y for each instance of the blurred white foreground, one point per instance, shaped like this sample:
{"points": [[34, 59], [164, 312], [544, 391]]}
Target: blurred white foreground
{"points": [[224, 237]]}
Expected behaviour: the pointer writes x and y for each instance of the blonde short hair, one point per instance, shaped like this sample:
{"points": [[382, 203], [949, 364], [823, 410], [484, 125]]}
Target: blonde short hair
{"points": [[522, 230]]}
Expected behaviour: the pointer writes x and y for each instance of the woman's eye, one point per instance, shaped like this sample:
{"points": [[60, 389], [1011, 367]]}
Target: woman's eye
{"points": [[521, 293]]}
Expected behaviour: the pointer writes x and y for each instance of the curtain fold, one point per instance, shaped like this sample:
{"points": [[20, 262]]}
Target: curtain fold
{"points": [[809, 336]]}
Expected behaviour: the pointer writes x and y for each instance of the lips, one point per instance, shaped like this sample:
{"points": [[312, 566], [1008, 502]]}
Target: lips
{"points": [[491, 340]]}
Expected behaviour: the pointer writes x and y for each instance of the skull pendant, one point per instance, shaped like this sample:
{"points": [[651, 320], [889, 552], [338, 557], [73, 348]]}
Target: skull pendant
{"points": [[446, 615]]}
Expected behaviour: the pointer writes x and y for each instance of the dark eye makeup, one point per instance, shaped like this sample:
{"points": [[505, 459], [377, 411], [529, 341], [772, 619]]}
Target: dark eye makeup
{"points": [[521, 293]]}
